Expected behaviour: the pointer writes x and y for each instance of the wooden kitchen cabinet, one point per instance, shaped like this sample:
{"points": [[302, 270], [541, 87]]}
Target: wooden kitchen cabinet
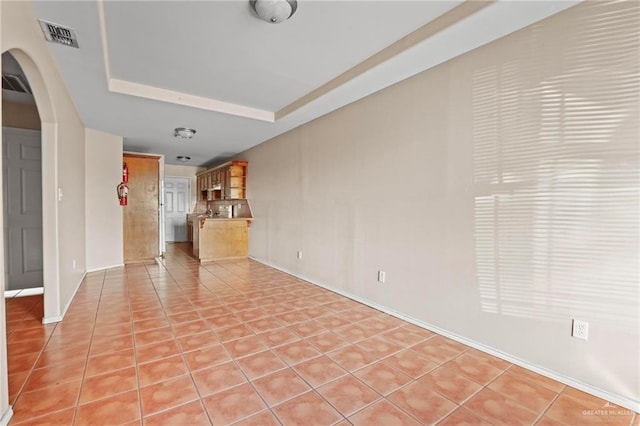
{"points": [[218, 239], [227, 181], [189, 228], [236, 181]]}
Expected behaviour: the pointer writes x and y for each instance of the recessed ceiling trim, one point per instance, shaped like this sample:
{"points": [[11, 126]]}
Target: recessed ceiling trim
{"points": [[448, 19], [103, 39], [165, 95], [156, 93], [444, 21]]}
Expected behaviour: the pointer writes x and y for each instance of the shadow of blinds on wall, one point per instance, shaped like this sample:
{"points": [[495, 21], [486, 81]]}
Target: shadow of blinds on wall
{"points": [[556, 156]]}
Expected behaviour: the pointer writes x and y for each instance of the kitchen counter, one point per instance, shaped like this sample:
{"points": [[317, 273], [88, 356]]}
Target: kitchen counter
{"points": [[219, 238], [201, 217]]}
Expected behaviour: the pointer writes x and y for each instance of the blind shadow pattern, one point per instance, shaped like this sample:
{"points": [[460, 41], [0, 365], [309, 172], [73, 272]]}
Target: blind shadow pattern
{"points": [[556, 176]]}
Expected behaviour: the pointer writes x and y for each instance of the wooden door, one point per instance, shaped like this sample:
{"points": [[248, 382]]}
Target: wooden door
{"points": [[142, 214], [22, 174], [176, 207]]}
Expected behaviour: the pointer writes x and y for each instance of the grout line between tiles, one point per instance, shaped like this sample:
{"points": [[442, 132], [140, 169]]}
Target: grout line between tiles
{"points": [[544, 412], [135, 352], [227, 284], [86, 366], [35, 362]]}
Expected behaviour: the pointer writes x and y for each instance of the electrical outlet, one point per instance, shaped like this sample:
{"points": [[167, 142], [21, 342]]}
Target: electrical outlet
{"points": [[299, 254], [381, 276], [580, 329], [73, 264]]}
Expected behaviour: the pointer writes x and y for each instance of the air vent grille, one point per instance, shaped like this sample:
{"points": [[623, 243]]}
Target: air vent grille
{"points": [[16, 83], [58, 34]]}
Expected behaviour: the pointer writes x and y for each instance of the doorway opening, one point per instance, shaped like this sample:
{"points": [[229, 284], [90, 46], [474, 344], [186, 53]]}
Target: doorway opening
{"points": [[22, 183], [177, 204], [22, 207]]}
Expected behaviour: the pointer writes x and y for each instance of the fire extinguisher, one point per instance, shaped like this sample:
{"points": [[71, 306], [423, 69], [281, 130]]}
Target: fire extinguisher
{"points": [[123, 193], [125, 173]]}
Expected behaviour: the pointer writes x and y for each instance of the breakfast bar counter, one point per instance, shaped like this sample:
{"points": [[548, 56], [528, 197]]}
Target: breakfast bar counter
{"points": [[219, 238]]}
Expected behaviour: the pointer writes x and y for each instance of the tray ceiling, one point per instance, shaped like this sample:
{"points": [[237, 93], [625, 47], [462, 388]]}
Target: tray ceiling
{"points": [[144, 68]]}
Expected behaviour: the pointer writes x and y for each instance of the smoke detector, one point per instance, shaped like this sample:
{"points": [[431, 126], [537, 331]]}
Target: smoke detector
{"points": [[56, 33]]}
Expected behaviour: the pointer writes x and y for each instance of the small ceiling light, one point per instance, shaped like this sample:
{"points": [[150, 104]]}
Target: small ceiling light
{"points": [[183, 158], [184, 133], [274, 11]]}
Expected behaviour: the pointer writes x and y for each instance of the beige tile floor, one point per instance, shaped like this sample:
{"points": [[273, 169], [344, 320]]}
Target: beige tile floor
{"points": [[237, 342]]}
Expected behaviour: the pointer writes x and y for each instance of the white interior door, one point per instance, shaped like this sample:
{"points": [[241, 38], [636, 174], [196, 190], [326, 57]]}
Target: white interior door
{"points": [[22, 173], [176, 207]]}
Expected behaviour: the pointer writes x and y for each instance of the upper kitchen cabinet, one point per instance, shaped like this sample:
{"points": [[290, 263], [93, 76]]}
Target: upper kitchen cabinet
{"points": [[227, 181], [236, 180]]}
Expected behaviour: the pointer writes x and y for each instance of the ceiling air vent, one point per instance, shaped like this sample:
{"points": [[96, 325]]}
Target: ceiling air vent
{"points": [[16, 83], [58, 34]]}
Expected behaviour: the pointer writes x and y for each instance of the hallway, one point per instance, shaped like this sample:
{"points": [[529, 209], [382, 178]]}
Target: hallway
{"points": [[238, 342]]}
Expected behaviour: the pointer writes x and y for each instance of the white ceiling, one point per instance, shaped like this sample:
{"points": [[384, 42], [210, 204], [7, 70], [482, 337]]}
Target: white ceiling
{"points": [[219, 53]]}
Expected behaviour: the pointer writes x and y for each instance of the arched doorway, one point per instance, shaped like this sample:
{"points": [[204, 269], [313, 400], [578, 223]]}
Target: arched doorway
{"points": [[49, 183], [22, 183], [50, 268]]}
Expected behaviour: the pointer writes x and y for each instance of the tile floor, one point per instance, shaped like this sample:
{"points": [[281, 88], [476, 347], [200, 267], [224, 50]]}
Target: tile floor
{"points": [[237, 342]]}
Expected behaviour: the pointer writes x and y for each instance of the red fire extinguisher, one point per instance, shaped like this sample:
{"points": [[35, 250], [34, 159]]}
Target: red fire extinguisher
{"points": [[125, 173], [123, 193]]}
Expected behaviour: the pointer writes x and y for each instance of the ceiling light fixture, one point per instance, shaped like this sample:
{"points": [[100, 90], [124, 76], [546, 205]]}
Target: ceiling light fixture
{"points": [[274, 11], [184, 133], [183, 158]]}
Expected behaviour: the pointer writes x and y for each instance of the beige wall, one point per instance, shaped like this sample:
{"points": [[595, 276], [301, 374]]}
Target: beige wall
{"points": [[22, 116], [4, 376], [172, 170], [63, 153], [498, 191], [63, 150], [103, 167]]}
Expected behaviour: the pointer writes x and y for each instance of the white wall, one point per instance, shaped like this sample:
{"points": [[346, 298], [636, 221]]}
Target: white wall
{"points": [[498, 191], [103, 165], [173, 170]]}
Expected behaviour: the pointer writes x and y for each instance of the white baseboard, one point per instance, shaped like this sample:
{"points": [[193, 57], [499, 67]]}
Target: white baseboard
{"points": [[50, 320], [58, 318], [8, 294], [23, 292], [31, 292], [118, 265], [600, 393], [6, 416], [73, 296]]}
